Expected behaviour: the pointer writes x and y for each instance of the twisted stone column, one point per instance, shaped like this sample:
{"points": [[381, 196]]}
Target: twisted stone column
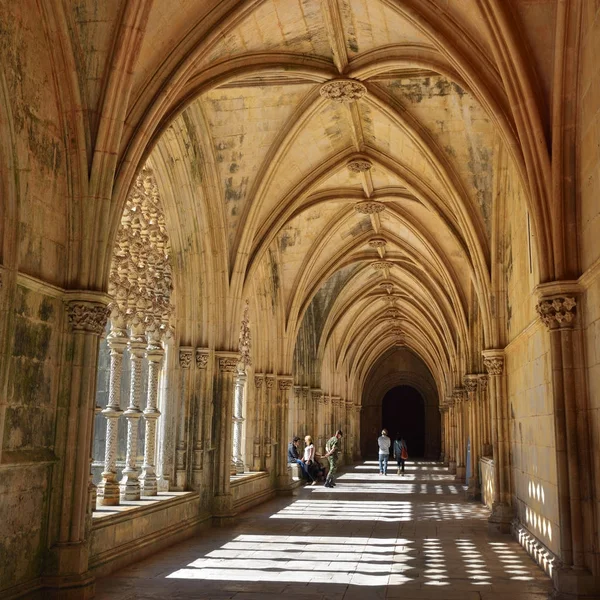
{"points": [[108, 488], [154, 354], [130, 485], [238, 420], [501, 516], [471, 384]]}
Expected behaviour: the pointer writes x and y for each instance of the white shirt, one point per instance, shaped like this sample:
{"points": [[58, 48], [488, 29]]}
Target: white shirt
{"points": [[384, 444], [309, 453]]}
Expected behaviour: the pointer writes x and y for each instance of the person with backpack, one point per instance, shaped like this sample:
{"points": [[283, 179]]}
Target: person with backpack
{"points": [[332, 448], [400, 452]]}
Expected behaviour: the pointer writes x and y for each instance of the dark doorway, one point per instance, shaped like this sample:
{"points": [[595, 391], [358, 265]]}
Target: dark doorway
{"points": [[403, 410]]}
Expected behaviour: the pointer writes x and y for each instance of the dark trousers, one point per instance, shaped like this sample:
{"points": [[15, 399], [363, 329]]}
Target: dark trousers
{"points": [[401, 462]]}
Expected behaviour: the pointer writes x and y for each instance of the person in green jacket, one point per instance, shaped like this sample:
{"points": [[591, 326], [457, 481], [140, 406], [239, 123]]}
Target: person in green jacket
{"points": [[332, 448]]}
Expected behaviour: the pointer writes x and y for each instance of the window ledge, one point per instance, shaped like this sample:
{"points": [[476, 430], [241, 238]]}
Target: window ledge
{"points": [[246, 477]]}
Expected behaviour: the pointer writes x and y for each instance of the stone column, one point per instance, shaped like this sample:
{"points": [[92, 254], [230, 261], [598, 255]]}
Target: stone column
{"points": [[258, 454], [459, 407], [318, 405], [224, 391], [452, 435], [200, 423], [501, 510], [87, 314], [484, 411], [130, 485], [283, 400], [443, 453], [269, 420], [108, 488], [557, 309], [471, 384], [186, 358], [304, 411], [154, 355], [238, 419]]}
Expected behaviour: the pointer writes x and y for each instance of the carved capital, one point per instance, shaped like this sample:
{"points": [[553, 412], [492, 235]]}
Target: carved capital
{"points": [[285, 384], [87, 316], [185, 357], [493, 361], [258, 381], [459, 395], [201, 358], [269, 381], [483, 382], [560, 310], [369, 207], [359, 165], [470, 383], [343, 90], [228, 365]]}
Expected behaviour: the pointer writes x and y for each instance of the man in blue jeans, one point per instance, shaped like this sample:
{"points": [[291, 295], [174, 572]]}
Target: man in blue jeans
{"points": [[384, 443], [294, 457]]}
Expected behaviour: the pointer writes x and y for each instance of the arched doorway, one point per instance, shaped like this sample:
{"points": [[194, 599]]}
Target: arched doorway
{"points": [[403, 410]]}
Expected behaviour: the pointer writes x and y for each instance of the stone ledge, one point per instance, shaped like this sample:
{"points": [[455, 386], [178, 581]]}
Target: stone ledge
{"points": [[541, 554], [237, 480]]}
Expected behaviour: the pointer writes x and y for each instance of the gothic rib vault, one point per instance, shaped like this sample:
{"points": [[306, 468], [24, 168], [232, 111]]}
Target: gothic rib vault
{"points": [[384, 192]]}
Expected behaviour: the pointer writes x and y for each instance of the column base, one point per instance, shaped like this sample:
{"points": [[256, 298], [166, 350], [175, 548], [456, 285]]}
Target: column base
{"points": [[108, 492], [130, 486], [239, 467], [223, 513], [72, 587], [452, 467], [500, 519], [473, 491], [461, 474], [575, 584], [148, 484]]}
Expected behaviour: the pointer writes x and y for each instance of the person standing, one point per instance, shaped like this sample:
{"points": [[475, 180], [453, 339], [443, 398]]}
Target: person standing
{"points": [[384, 443], [308, 458], [294, 457], [332, 448], [400, 452]]}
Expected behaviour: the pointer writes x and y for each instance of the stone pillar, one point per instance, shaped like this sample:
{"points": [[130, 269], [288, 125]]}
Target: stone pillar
{"points": [[224, 391], [459, 408], [154, 355], [186, 358], [452, 435], [167, 424], [305, 412], [501, 510], [283, 400], [443, 452], [318, 405], [108, 488], [238, 420], [130, 485], [471, 384], [258, 454], [484, 411], [557, 309], [269, 420], [200, 423], [87, 314]]}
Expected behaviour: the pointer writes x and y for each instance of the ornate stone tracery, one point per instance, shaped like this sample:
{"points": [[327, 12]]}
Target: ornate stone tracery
{"points": [[559, 310]]}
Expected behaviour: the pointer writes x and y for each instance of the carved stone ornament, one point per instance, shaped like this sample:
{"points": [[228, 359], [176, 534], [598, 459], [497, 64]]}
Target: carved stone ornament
{"points": [[458, 395], [343, 90], [244, 338], [269, 381], [87, 316], [378, 243], [369, 207], [560, 310], [228, 365], [393, 313], [388, 286], [494, 365], [483, 382], [201, 358], [285, 384], [359, 165], [397, 331], [380, 265], [185, 357], [258, 381], [470, 383], [140, 279]]}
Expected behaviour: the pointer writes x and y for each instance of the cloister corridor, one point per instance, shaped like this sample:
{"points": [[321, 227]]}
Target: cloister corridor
{"points": [[411, 537]]}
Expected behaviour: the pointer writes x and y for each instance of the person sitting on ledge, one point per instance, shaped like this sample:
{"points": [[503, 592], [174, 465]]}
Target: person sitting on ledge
{"points": [[294, 457]]}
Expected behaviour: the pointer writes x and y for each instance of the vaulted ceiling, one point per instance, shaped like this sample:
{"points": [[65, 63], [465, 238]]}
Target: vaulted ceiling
{"points": [[380, 206]]}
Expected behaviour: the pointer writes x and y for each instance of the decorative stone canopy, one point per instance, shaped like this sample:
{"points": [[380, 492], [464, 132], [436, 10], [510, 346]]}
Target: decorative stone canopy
{"points": [[343, 90]]}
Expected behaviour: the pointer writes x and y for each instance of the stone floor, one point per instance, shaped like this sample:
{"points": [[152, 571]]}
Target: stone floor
{"points": [[373, 536]]}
